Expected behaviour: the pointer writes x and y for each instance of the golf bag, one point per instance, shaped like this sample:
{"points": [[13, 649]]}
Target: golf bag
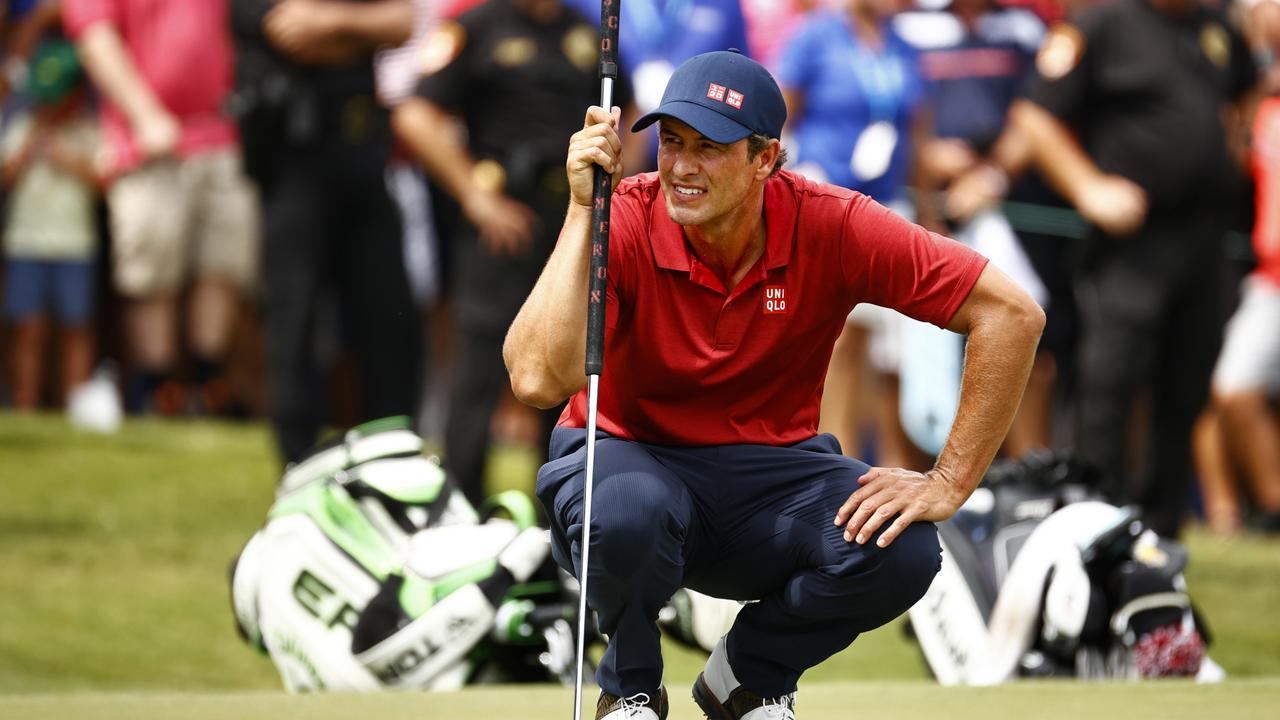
{"points": [[697, 621], [372, 572], [1041, 577]]}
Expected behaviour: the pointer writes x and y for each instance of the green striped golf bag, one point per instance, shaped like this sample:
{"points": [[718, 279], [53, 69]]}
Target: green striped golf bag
{"points": [[372, 572]]}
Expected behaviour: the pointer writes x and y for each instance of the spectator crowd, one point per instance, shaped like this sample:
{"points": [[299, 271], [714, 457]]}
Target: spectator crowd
{"points": [[322, 212]]}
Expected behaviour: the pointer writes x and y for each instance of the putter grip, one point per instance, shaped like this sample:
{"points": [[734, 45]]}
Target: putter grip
{"points": [[599, 271], [600, 199]]}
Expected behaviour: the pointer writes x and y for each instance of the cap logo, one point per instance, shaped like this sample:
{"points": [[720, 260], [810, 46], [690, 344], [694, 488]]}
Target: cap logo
{"points": [[723, 94]]}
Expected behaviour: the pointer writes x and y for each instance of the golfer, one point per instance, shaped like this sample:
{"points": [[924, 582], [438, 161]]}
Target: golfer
{"points": [[729, 280]]}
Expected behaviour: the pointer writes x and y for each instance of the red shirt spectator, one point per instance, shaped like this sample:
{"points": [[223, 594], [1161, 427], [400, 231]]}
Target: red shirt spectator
{"points": [[1266, 168], [182, 49]]}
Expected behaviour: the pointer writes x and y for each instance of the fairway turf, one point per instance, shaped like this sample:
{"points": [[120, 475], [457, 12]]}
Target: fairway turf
{"points": [[113, 558], [1243, 700]]}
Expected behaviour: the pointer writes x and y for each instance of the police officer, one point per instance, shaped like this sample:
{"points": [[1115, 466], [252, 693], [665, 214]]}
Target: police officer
{"points": [[317, 142], [1143, 85], [975, 57], [517, 74]]}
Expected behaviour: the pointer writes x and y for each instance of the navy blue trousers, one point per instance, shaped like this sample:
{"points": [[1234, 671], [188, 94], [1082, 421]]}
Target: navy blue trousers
{"points": [[744, 522]]}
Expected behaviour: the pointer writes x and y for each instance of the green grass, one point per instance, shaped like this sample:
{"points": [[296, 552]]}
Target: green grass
{"points": [[113, 556], [113, 552], [1235, 700]]}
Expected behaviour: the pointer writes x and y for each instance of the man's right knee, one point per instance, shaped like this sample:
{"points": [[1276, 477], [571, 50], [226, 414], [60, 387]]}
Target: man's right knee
{"points": [[636, 521]]}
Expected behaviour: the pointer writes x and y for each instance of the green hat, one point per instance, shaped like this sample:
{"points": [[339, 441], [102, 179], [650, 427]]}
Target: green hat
{"points": [[55, 72]]}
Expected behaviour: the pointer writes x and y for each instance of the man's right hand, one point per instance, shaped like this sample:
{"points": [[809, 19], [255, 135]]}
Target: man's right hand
{"points": [[597, 143], [157, 134], [506, 226], [1117, 205], [982, 186]]}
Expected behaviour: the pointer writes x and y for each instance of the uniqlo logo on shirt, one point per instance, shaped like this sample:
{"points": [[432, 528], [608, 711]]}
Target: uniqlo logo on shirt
{"points": [[735, 99], [775, 300], [716, 92]]}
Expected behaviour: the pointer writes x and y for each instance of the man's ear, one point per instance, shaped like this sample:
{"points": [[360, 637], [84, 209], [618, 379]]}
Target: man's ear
{"points": [[766, 159]]}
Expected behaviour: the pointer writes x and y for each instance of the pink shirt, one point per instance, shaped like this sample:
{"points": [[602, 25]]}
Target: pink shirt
{"points": [[770, 23], [688, 363], [182, 48]]}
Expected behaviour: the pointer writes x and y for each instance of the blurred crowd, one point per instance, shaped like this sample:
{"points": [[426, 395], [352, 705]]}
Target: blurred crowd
{"points": [[322, 212]]}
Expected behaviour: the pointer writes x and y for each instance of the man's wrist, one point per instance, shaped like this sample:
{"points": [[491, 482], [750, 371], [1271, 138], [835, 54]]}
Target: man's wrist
{"points": [[476, 203], [996, 178], [1082, 187], [148, 110], [955, 492]]}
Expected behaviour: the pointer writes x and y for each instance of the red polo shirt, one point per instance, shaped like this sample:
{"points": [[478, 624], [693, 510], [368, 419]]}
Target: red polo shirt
{"points": [[689, 364]]}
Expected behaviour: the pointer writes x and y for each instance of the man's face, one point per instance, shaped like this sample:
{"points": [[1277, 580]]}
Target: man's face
{"points": [[702, 180]]}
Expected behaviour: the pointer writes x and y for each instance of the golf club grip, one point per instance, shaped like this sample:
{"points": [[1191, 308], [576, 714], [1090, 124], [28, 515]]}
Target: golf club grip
{"points": [[601, 195]]}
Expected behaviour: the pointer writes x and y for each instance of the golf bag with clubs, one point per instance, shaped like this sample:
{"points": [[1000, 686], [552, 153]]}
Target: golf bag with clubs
{"points": [[372, 572], [1043, 577]]}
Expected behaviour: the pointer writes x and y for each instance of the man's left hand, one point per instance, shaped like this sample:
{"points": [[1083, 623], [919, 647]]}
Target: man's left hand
{"points": [[887, 492]]}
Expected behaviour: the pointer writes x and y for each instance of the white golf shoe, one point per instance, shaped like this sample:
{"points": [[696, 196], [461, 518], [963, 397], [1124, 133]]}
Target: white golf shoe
{"points": [[637, 707], [722, 697]]}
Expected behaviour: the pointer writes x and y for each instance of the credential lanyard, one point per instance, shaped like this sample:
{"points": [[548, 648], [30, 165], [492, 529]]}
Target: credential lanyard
{"points": [[882, 80]]}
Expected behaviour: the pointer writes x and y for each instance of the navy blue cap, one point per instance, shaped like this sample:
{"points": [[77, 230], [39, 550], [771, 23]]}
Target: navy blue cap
{"points": [[724, 95]]}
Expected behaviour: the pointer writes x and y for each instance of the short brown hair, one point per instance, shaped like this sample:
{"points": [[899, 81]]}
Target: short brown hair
{"points": [[757, 142]]}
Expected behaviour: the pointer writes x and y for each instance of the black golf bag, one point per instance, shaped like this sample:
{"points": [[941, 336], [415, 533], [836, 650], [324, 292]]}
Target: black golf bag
{"points": [[1043, 577]]}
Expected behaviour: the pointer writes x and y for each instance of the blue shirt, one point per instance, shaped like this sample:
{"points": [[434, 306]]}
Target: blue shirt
{"points": [[18, 8], [672, 30], [973, 76], [848, 86]]}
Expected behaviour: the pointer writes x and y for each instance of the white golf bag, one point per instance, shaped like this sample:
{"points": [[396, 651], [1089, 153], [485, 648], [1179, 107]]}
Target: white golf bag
{"points": [[1040, 577], [372, 573]]}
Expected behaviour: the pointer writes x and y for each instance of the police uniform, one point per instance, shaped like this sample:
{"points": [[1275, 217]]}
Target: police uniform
{"points": [[520, 86], [1144, 90], [317, 142]]}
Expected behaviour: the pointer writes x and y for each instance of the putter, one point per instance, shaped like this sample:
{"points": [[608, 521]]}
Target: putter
{"points": [[595, 319]]}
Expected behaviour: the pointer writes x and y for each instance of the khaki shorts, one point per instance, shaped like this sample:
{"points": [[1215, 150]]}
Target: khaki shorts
{"points": [[1250, 356], [174, 217]]}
